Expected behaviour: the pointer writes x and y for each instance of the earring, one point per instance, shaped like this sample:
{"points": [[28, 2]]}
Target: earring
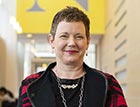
{"points": [[86, 53]]}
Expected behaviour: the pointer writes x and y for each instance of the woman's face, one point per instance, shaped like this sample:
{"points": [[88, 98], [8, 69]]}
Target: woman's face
{"points": [[70, 42]]}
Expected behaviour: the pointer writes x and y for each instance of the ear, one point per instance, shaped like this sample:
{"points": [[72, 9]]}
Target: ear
{"points": [[51, 40]]}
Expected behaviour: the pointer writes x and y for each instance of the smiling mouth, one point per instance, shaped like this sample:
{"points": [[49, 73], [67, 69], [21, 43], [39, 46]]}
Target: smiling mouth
{"points": [[71, 51]]}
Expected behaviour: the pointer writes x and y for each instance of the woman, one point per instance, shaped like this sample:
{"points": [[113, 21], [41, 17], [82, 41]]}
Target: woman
{"points": [[7, 98], [69, 82]]}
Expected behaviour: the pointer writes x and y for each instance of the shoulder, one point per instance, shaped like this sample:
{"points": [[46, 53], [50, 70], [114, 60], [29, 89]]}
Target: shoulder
{"points": [[96, 71], [112, 81], [108, 76], [28, 80], [23, 97]]}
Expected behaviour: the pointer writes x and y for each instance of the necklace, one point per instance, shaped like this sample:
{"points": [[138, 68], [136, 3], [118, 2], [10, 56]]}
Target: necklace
{"points": [[80, 95], [65, 86]]}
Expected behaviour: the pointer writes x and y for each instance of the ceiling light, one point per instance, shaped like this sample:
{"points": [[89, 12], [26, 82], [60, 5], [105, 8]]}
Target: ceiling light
{"points": [[44, 65], [15, 24], [29, 35]]}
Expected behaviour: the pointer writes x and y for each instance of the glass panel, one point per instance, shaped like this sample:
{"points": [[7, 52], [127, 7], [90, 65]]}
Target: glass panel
{"points": [[121, 75], [121, 61]]}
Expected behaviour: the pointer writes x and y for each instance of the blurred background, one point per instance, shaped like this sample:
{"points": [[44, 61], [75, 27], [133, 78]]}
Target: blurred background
{"points": [[114, 46]]}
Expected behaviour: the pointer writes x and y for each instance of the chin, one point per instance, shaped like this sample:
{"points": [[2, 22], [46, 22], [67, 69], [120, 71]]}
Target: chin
{"points": [[71, 62]]}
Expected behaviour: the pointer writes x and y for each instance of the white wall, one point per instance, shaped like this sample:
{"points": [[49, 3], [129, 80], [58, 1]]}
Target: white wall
{"points": [[8, 48]]}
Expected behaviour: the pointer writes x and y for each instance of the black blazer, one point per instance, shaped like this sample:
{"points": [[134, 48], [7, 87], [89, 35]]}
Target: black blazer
{"points": [[95, 92]]}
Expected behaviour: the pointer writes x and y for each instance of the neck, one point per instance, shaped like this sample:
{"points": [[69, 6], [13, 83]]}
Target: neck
{"points": [[68, 71]]}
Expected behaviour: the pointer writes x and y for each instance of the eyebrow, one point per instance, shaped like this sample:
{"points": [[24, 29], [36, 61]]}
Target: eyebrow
{"points": [[73, 34], [79, 33]]}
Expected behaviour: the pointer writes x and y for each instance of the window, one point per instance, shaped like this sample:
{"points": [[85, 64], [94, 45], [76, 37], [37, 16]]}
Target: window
{"points": [[121, 61], [121, 75]]}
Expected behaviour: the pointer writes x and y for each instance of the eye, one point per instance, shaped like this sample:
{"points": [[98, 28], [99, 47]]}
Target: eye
{"points": [[79, 37], [64, 36]]}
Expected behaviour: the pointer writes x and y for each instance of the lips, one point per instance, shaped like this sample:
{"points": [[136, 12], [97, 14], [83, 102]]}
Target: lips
{"points": [[71, 51]]}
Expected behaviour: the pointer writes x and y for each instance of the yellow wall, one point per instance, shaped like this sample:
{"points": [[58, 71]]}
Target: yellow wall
{"points": [[40, 21]]}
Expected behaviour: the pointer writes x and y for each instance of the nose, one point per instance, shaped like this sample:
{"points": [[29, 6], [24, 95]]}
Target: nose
{"points": [[71, 41]]}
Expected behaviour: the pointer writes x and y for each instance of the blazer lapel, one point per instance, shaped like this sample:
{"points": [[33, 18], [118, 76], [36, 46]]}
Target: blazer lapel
{"points": [[40, 92], [95, 88]]}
